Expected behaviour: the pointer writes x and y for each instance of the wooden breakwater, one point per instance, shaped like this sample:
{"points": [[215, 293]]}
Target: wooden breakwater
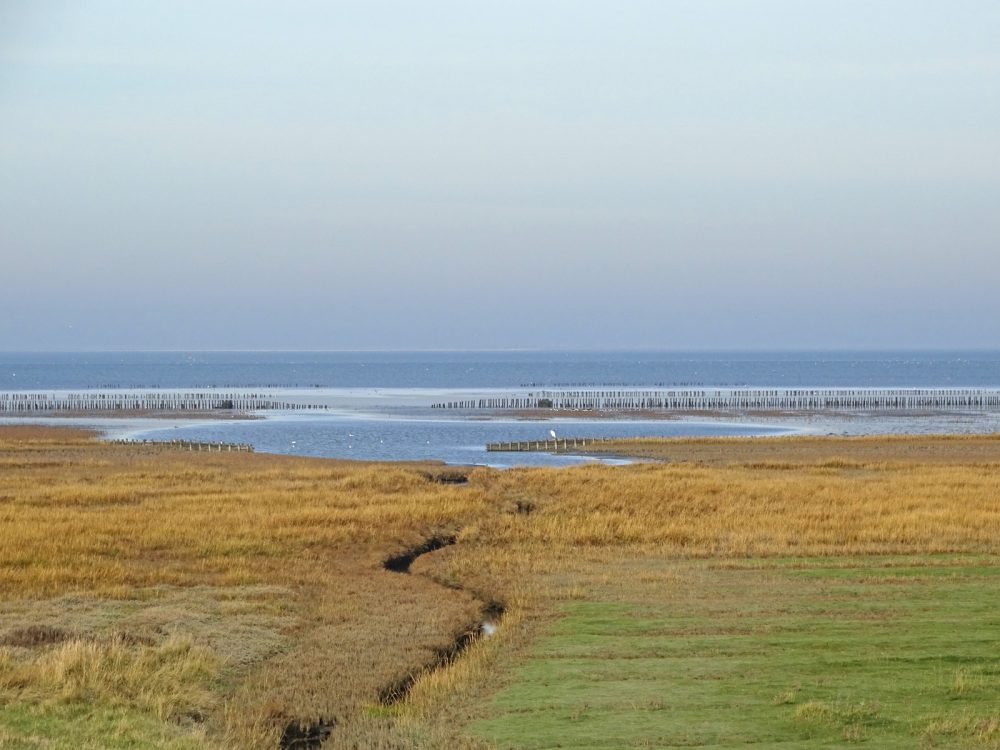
{"points": [[554, 445], [23, 402], [191, 445], [742, 399]]}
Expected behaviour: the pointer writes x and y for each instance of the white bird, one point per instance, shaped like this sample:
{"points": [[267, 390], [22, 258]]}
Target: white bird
{"points": [[552, 433]]}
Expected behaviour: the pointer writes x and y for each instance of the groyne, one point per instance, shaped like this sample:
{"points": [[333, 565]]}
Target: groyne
{"points": [[191, 445], [740, 399], [24, 402], [554, 445]]}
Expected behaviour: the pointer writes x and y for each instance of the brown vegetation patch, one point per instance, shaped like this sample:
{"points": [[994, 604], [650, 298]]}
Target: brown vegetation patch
{"points": [[448, 477], [35, 635], [299, 735], [130, 638]]}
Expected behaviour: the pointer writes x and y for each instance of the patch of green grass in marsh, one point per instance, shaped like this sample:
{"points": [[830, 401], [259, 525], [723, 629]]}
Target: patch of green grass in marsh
{"points": [[81, 727], [772, 658]]}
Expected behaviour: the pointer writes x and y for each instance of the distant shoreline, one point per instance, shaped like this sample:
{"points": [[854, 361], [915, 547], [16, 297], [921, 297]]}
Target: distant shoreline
{"points": [[674, 415], [201, 414]]}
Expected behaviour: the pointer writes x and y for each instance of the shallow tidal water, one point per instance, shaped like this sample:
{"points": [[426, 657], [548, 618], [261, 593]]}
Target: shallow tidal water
{"points": [[378, 401], [455, 441]]}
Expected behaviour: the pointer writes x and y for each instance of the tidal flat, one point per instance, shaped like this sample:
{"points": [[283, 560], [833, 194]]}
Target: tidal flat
{"points": [[730, 591]]}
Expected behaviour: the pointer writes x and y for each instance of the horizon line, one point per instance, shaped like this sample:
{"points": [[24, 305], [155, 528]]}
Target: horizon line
{"points": [[510, 350]]}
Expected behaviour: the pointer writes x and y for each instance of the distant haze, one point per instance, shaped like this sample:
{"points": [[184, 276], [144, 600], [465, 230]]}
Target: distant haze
{"points": [[367, 174]]}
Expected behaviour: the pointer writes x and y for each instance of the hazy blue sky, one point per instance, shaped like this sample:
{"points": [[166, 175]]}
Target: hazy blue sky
{"points": [[721, 174]]}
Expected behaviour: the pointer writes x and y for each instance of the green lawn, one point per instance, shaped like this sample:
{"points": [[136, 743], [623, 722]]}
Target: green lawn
{"points": [[814, 655]]}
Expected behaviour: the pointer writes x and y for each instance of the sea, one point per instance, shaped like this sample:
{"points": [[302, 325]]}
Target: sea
{"points": [[377, 404]]}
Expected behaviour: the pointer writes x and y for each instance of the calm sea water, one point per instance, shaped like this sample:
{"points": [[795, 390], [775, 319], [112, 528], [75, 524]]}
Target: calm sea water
{"points": [[494, 369], [373, 424]]}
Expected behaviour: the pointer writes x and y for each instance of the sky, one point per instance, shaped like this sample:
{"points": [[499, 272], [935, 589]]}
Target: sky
{"points": [[706, 174]]}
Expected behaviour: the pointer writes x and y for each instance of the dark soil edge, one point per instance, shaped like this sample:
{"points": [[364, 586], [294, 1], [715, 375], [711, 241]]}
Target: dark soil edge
{"points": [[401, 563]]}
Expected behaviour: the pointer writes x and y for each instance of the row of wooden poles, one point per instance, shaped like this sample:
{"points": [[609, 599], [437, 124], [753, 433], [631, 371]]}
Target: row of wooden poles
{"points": [[25, 402], [743, 399], [190, 445], [555, 444]]}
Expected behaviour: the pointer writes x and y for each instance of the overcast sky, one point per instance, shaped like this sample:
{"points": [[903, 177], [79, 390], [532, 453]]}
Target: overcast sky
{"points": [[340, 175]]}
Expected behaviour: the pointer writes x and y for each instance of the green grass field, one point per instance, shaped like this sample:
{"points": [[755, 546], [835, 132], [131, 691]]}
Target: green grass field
{"points": [[900, 653]]}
